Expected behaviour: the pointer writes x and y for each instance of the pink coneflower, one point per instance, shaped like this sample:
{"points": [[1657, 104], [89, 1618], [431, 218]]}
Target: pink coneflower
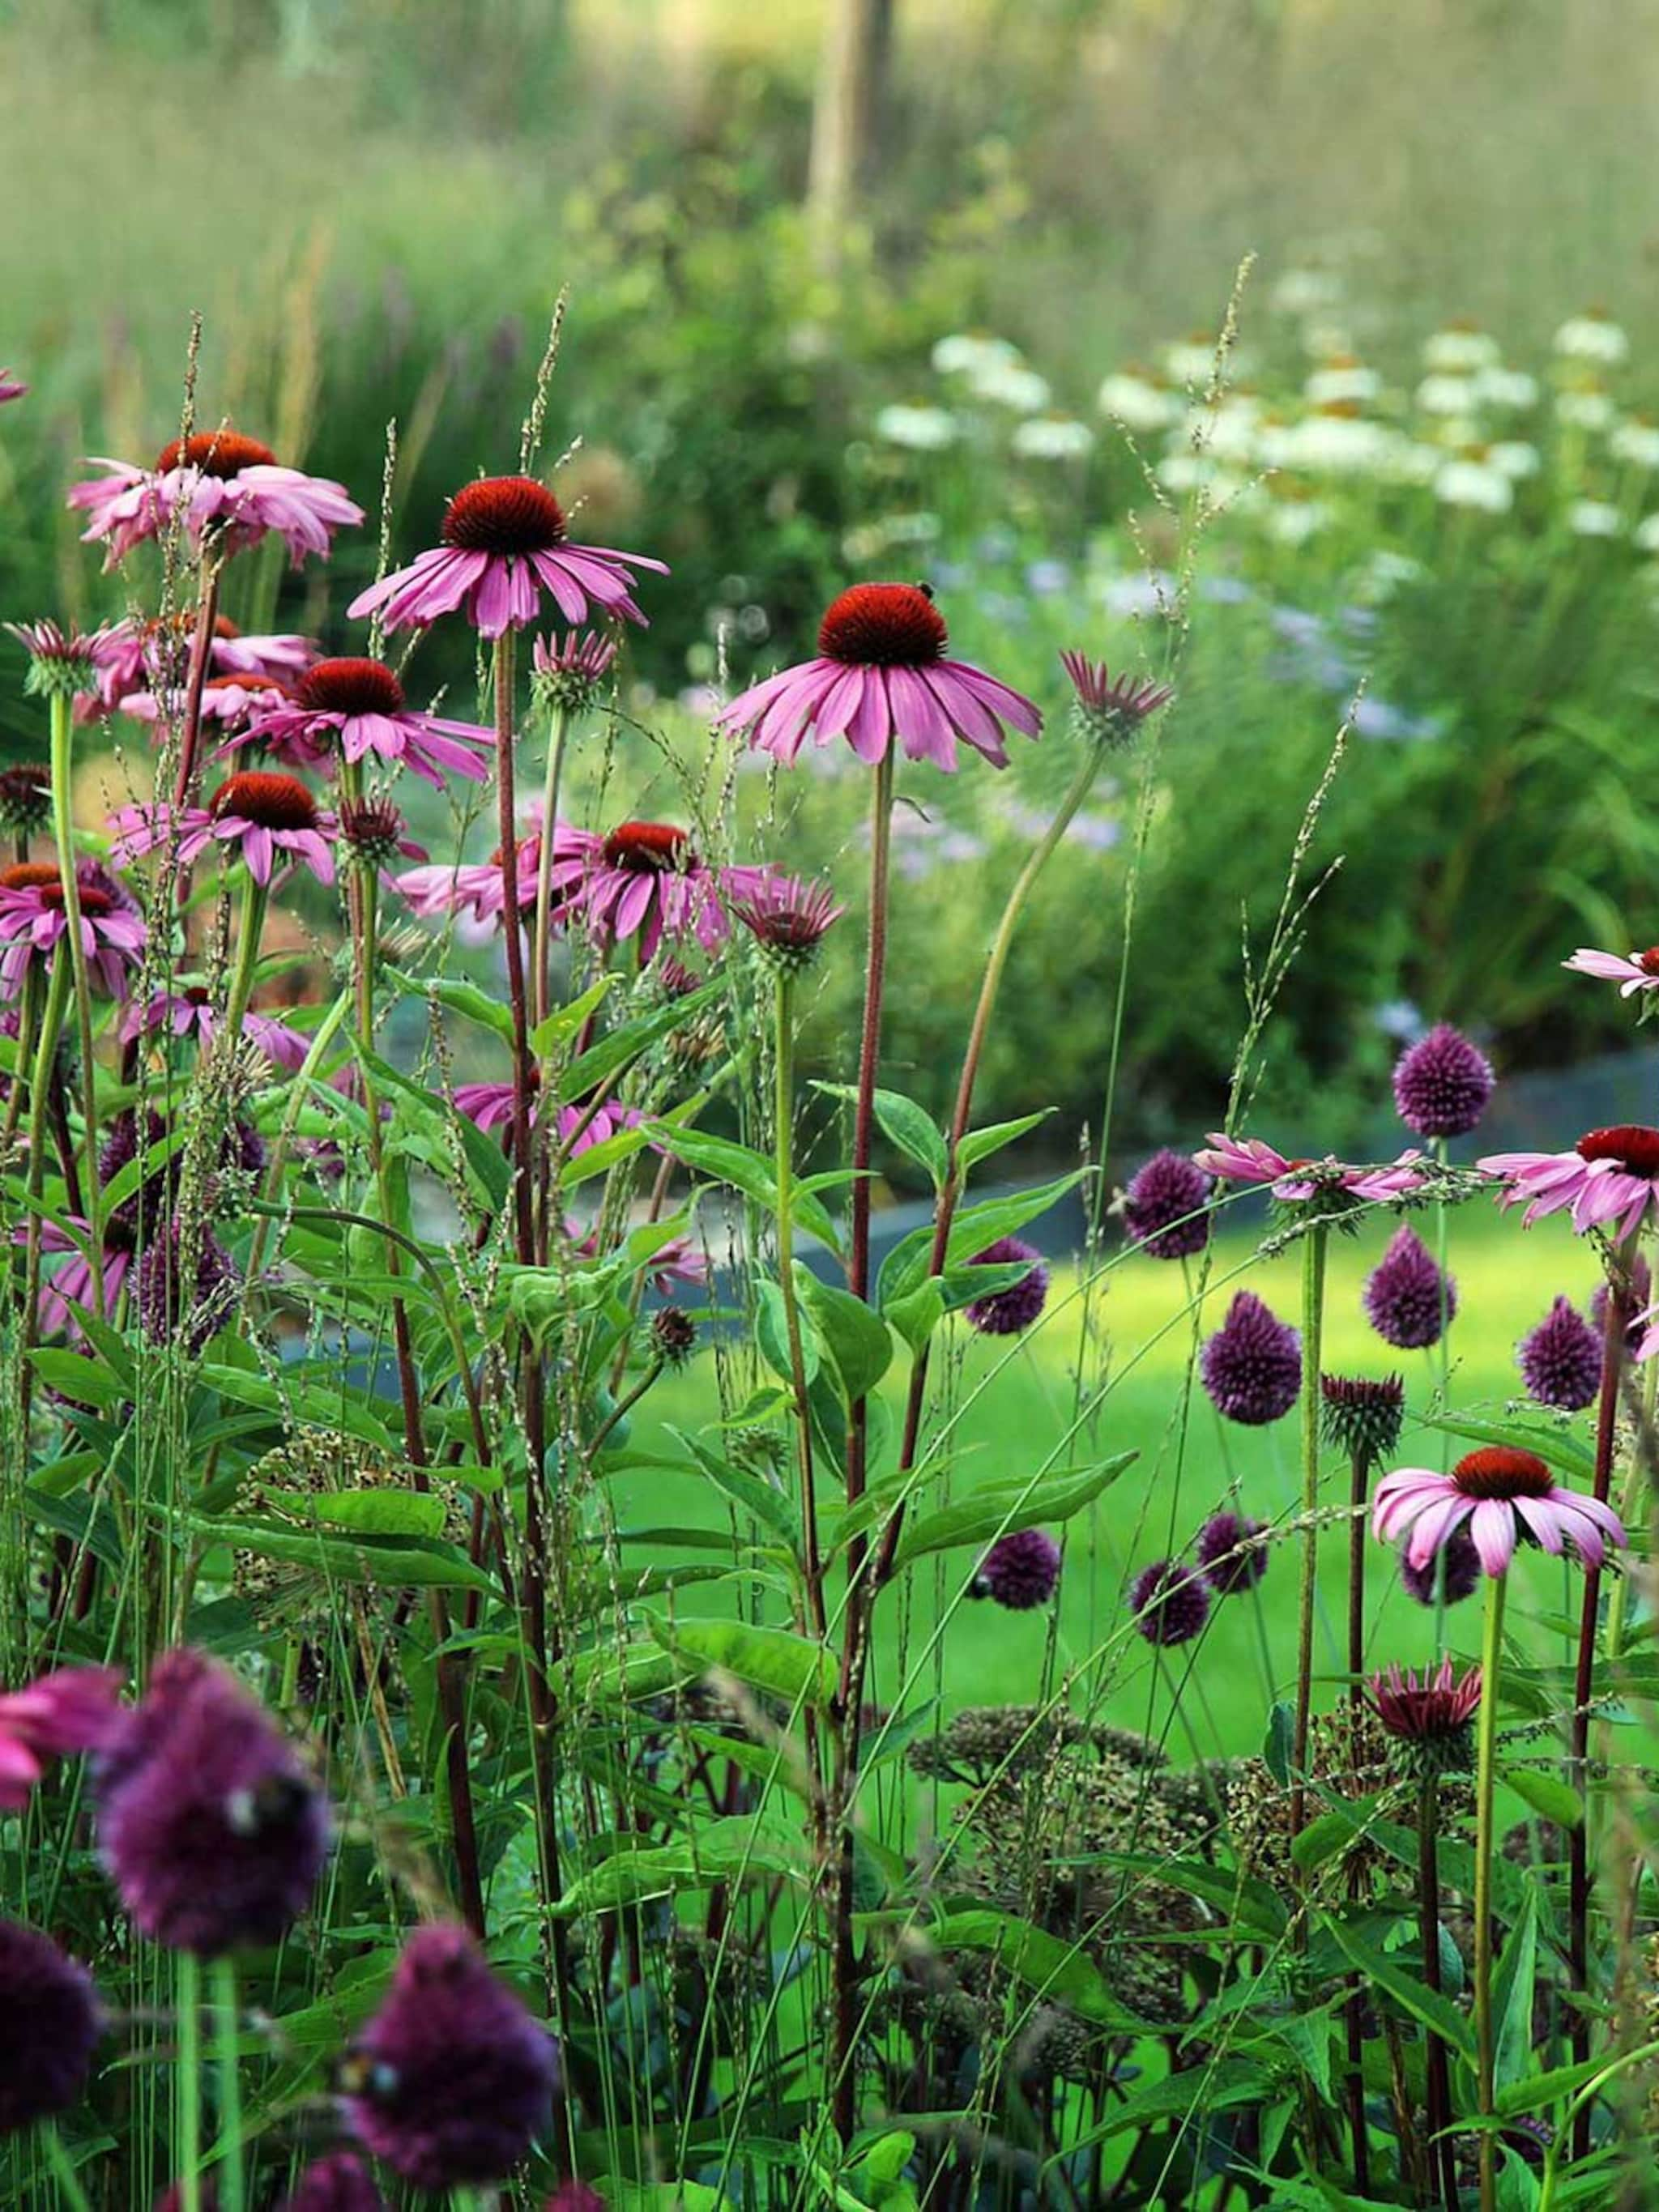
{"points": [[218, 481], [565, 677], [1631, 971], [232, 702], [34, 921], [504, 545], [788, 919], [1503, 1493], [371, 830], [645, 879], [1250, 1160], [11, 385], [137, 656], [490, 1106], [1430, 1718], [881, 674], [356, 708], [1110, 710], [63, 1712], [61, 662], [1609, 1180], [265, 814], [68, 1294], [473, 888], [188, 1011]]}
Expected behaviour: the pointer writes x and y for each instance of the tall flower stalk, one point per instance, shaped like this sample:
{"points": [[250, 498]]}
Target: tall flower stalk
{"points": [[1485, 1846], [63, 801], [1313, 1310]]}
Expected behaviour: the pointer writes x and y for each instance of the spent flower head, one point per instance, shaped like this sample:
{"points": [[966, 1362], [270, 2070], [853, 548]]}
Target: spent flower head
{"points": [[1362, 1413], [1111, 711], [61, 662], [1430, 1719], [788, 919], [565, 677]]}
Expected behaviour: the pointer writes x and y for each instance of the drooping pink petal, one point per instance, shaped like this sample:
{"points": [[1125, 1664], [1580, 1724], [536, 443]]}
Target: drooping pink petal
{"points": [[1493, 1527]]}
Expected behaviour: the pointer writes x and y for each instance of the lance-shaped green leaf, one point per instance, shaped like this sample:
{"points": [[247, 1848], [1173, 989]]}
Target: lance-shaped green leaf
{"points": [[793, 1667], [411, 1563], [751, 1492], [749, 1172], [979, 1143], [1386, 1972], [997, 1508], [975, 1228], [1054, 1967], [857, 1340], [910, 1127], [730, 1851]]}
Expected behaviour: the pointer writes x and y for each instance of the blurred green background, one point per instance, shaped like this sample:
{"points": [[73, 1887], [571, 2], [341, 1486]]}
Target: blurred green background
{"points": [[1425, 478]]}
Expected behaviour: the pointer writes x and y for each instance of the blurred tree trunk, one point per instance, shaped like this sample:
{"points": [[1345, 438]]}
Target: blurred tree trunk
{"points": [[847, 115]]}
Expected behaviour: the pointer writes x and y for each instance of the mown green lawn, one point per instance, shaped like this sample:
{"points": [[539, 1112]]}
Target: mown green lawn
{"points": [[1014, 1409]]}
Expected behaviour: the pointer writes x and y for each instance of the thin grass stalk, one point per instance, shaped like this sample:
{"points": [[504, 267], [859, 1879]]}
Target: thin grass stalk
{"points": [[1313, 1307], [1437, 2085], [232, 2196], [1485, 1846]]}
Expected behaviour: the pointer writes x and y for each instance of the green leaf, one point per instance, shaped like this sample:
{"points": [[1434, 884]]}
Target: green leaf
{"points": [[999, 1508], [1555, 1445], [603, 1061], [979, 1144], [459, 997], [857, 1339], [1245, 1899], [1277, 1748], [565, 1021], [1549, 1796], [789, 1667], [916, 1317], [724, 1851], [1323, 1837], [415, 1564], [1553, 2087], [1052, 1966], [295, 1400], [449, 1131], [910, 1127], [905, 1267], [379, 1512], [1414, 1996], [1217, 2087], [749, 1493], [85, 1381], [749, 1172], [1512, 1996], [772, 1336]]}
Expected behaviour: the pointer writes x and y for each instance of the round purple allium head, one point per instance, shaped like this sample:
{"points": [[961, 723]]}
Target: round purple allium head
{"points": [[1252, 1366], [575, 2197], [452, 2078], [1171, 1601], [1363, 1414], [1560, 1360], [1462, 1570], [1442, 1084], [167, 1311], [51, 2012], [210, 1828], [1165, 1207], [1226, 1568], [1005, 1313], [339, 2183], [1641, 1297], [1020, 1570], [1408, 1302]]}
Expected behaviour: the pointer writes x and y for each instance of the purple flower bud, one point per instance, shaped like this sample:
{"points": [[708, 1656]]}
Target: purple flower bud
{"points": [[1362, 1413], [452, 2078], [52, 2027], [1171, 1601], [1442, 1085], [1006, 1313], [1560, 1360], [1408, 1301], [1252, 1366], [1226, 1568], [166, 1309], [1165, 1206], [1020, 1570], [340, 2183], [210, 1828], [1462, 1570]]}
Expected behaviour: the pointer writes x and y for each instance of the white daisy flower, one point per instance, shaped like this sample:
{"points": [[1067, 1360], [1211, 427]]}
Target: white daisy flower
{"points": [[1593, 337], [1515, 457], [919, 430], [1584, 411], [1051, 438], [970, 353], [1595, 518], [1448, 395], [1342, 380], [1137, 403], [1010, 384], [1458, 351], [1505, 387], [1636, 441], [1475, 484]]}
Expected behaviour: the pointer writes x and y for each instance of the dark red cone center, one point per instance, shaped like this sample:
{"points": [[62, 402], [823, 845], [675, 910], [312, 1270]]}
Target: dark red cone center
{"points": [[350, 687], [42, 876], [504, 515], [1632, 1144], [275, 802], [883, 626], [216, 453], [1648, 961], [648, 848], [1502, 1471]]}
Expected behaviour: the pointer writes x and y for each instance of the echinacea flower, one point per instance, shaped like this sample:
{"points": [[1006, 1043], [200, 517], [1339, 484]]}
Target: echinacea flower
{"points": [[371, 835], [232, 702], [1166, 1207], [1252, 1366], [141, 656], [1610, 1180], [1408, 1301], [1631, 971], [1110, 710], [673, 1335], [1443, 1083], [881, 675], [472, 889], [452, 2079], [788, 919], [61, 662], [217, 480], [1170, 1602], [52, 2027], [1560, 1360], [1503, 1493], [65, 1711], [645, 879], [1363, 1414], [489, 1105], [34, 920], [1454, 1572], [1019, 1572], [188, 1011], [1228, 1552], [11, 385], [211, 1829], [564, 677], [1012, 1310], [339, 2183], [265, 814], [504, 545], [1252, 1160], [1430, 1718], [357, 707]]}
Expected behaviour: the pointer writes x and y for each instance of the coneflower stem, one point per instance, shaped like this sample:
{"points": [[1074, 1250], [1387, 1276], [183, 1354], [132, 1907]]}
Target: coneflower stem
{"points": [[512, 940], [1358, 1490], [1615, 1329], [540, 988], [254, 902], [864, 1117], [63, 807], [783, 1132], [226, 2019], [1438, 2081], [1486, 1843], [1313, 1309], [46, 1052]]}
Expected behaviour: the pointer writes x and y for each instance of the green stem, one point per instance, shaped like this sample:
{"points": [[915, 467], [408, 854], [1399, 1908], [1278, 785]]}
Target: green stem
{"points": [[1313, 1309], [1582, 2103], [188, 2000], [540, 995], [63, 809], [46, 1052], [227, 2014], [1485, 1770], [57, 2157], [783, 1119], [254, 901]]}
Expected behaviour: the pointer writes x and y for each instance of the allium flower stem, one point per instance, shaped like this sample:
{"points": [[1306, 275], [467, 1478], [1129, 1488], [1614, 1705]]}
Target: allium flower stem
{"points": [[63, 807], [227, 2014], [539, 977], [1438, 2083], [1615, 1351], [1441, 1235], [188, 2078], [783, 1115], [1313, 1313], [63, 2168], [1486, 1844]]}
